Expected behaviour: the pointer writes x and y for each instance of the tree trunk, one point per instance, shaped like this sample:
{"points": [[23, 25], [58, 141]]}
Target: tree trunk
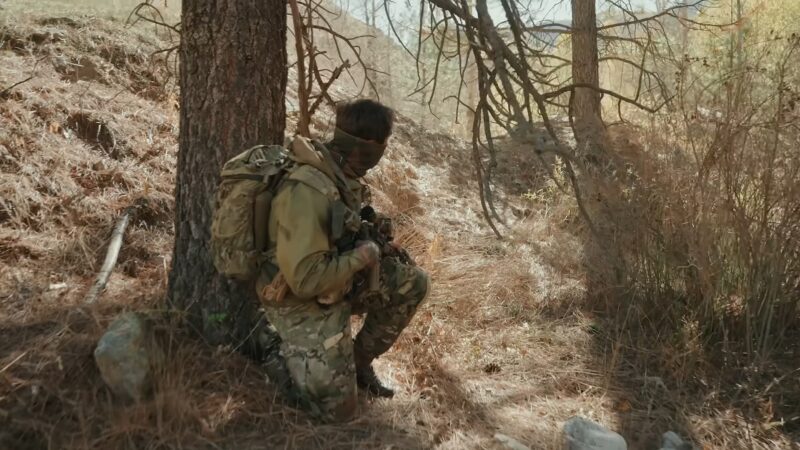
{"points": [[587, 118], [233, 81], [471, 84], [598, 173]]}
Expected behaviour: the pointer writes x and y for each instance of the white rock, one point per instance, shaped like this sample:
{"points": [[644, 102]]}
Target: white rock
{"points": [[510, 442], [57, 286], [672, 441], [582, 434]]}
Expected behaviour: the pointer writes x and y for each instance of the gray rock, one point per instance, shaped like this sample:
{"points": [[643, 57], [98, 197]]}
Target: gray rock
{"points": [[583, 434], [672, 441], [82, 69], [127, 356], [510, 443]]}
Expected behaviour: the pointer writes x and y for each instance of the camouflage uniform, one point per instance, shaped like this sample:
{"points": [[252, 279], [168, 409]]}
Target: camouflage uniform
{"points": [[316, 338]]}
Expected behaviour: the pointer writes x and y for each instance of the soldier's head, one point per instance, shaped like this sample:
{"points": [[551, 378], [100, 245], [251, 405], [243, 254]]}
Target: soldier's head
{"points": [[365, 119], [363, 128]]}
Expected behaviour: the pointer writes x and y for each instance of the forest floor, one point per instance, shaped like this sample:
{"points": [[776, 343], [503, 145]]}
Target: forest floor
{"points": [[504, 344]]}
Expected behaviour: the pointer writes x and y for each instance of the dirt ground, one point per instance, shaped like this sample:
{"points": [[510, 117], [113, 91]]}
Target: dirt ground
{"points": [[504, 343]]}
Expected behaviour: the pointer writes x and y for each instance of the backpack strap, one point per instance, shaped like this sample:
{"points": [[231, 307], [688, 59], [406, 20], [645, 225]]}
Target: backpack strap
{"points": [[344, 220], [317, 169], [339, 178], [263, 204], [315, 154], [314, 178]]}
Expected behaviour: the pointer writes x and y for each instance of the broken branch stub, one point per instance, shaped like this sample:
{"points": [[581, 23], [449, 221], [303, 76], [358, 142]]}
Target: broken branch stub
{"points": [[111, 257]]}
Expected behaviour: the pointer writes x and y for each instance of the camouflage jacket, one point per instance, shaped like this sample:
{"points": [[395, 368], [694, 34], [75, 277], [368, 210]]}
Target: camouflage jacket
{"points": [[301, 229]]}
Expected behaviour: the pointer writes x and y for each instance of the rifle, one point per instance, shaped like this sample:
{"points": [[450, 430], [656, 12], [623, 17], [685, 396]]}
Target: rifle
{"points": [[379, 229]]}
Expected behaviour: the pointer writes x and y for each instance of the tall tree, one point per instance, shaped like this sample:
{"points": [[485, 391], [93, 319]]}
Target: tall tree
{"points": [[470, 80], [232, 80], [587, 117], [371, 55]]}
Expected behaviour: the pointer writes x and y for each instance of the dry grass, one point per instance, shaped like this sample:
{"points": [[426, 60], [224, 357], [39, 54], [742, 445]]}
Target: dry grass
{"points": [[78, 150], [500, 346], [75, 152]]}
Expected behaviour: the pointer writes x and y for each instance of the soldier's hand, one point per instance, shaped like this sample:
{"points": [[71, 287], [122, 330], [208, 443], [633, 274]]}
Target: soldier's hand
{"points": [[369, 252], [395, 247]]}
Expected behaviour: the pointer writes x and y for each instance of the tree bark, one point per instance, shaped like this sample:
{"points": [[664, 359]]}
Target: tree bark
{"points": [[587, 117], [233, 80]]}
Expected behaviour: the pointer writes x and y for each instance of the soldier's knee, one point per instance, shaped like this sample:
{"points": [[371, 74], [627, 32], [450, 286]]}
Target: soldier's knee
{"points": [[422, 285], [415, 288]]}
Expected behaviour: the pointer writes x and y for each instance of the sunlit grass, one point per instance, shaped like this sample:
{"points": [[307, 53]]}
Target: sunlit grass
{"points": [[119, 9]]}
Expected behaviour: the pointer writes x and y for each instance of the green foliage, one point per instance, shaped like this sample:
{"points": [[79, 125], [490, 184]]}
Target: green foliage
{"points": [[217, 318]]}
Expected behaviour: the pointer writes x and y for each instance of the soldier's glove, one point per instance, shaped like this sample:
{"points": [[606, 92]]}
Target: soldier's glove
{"points": [[369, 252]]}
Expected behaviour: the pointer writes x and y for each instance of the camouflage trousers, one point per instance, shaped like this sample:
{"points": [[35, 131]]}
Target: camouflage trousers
{"points": [[317, 343]]}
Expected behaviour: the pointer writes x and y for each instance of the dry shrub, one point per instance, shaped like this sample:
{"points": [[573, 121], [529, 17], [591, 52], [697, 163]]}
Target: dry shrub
{"points": [[394, 187], [699, 243], [719, 234]]}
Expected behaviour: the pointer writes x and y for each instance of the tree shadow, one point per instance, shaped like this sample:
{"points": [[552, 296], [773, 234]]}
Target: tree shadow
{"points": [[52, 396], [712, 403], [465, 414]]}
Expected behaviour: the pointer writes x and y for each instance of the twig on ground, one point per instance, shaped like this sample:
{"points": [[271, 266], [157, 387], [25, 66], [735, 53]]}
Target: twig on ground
{"points": [[5, 91], [8, 366]]}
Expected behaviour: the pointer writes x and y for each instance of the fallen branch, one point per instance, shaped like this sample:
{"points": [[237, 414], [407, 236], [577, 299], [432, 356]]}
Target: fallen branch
{"points": [[8, 89], [8, 366], [111, 257]]}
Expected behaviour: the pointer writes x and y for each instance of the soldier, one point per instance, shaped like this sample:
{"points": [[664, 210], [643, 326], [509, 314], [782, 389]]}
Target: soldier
{"points": [[323, 269]]}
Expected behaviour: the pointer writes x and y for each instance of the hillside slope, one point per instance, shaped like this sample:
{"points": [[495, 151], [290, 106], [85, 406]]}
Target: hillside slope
{"points": [[95, 132], [497, 348]]}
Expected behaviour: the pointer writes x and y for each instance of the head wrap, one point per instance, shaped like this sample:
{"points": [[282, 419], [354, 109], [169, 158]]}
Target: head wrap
{"points": [[354, 155]]}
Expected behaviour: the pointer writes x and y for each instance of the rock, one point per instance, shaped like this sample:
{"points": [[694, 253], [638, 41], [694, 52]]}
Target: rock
{"points": [[510, 443], [127, 355], [82, 69], [672, 441], [57, 286], [47, 36], [582, 434]]}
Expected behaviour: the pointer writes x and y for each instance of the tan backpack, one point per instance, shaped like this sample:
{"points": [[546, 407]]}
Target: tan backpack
{"points": [[240, 220]]}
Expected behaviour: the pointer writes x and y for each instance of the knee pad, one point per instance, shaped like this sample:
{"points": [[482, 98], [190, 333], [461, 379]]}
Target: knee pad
{"points": [[424, 282]]}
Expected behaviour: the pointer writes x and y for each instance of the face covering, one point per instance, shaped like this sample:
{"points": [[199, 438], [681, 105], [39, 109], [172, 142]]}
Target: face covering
{"points": [[355, 155]]}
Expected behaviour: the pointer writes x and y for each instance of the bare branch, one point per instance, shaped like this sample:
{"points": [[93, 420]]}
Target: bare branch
{"points": [[159, 22], [302, 88], [641, 20], [324, 86], [5, 91], [608, 92]]}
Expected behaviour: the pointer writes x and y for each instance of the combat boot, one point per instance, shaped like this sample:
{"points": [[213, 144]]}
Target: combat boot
{"points": [[367, 380]]}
